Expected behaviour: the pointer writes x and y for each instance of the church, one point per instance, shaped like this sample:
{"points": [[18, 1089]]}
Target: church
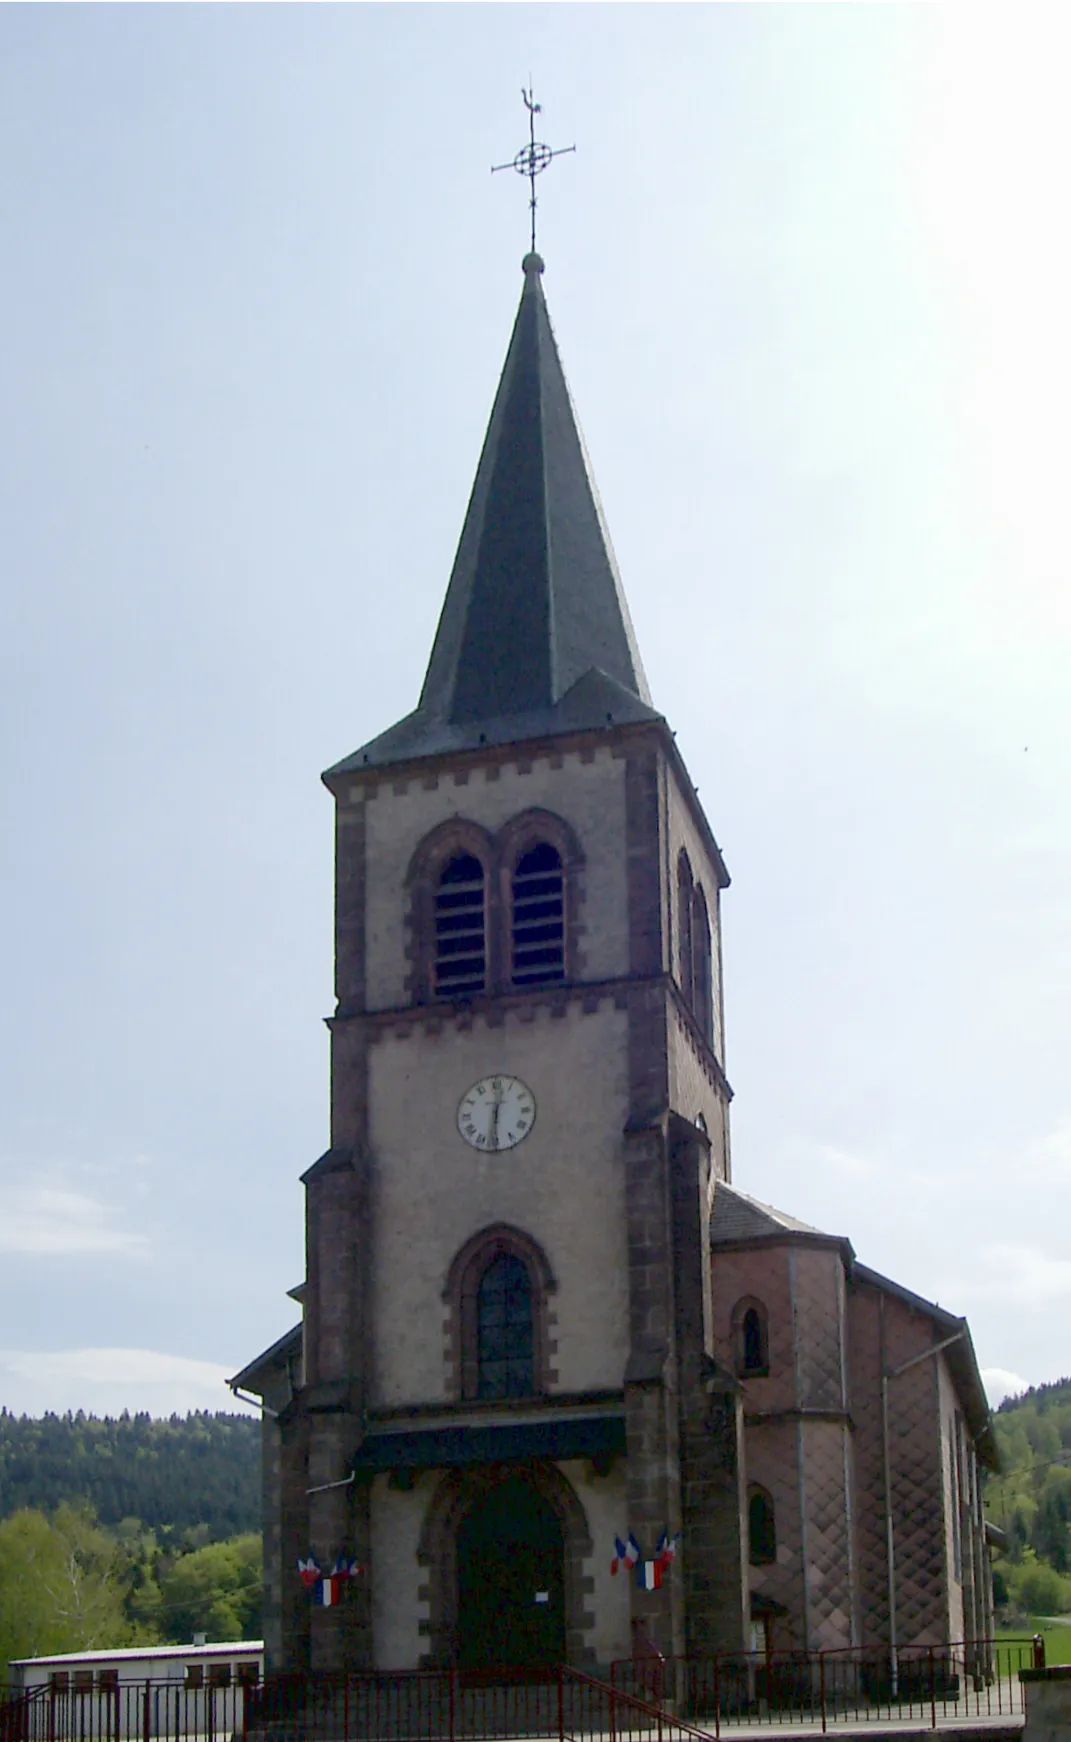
{"points": [[561, 1391]]}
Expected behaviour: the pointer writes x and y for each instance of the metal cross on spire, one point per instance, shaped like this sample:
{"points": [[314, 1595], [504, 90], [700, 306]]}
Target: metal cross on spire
{"points": [[533, 158]]}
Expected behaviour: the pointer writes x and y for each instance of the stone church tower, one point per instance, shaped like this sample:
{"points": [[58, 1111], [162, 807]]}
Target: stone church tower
{"points": [[511, 1353]]}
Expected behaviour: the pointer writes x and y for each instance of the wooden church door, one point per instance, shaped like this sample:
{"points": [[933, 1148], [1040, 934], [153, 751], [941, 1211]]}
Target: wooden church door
{"points": [[511, 1583]]}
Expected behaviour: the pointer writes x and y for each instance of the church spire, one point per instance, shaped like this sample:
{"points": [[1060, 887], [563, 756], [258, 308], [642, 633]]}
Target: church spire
{"points": [[534, 637]]}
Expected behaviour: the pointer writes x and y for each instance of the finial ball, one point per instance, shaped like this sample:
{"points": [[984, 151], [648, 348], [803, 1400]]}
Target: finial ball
{"points": [[532, 263]]}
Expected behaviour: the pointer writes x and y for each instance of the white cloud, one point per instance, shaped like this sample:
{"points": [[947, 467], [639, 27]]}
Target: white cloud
{"points": [[848, 1162], [1052, 1154], [1024, 1275], [1000, 1383], [50, 1221], [107, 1381]]}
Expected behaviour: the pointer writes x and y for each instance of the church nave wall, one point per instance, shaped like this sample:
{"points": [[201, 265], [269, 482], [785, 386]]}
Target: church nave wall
{"points": [[761, 1274]]}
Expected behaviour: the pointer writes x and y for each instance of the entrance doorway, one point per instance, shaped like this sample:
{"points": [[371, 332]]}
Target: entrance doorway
{"points": [[510, 1579]]}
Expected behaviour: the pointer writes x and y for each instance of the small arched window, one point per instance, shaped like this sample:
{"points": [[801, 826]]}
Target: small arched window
{"points": [[538, 917], [505, 1342], [754, 1342], [461, 928], [751, 1342], [761, 1528]]}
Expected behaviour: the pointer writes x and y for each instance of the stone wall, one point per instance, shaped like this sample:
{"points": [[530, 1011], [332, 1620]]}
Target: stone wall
{"points": [[562, 1186]]}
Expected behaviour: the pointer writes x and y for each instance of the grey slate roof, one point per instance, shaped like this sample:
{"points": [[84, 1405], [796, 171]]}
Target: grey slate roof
{"points": [[534, 637], [737, 1217]]}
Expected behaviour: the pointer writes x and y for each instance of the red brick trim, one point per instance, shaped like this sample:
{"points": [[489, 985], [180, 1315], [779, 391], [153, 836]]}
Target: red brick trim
{"points": [[455, 1495], [459, 1294]]}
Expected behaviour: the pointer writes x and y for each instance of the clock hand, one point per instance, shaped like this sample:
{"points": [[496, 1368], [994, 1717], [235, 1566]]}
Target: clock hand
{"points": [[495, 1107]]}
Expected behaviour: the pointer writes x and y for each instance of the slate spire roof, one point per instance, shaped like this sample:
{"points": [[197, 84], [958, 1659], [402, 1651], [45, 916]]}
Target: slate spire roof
{"points": [[534, 637]]}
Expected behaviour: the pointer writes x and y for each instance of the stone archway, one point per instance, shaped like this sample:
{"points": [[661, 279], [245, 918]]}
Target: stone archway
{"points": [[461, 1517]]}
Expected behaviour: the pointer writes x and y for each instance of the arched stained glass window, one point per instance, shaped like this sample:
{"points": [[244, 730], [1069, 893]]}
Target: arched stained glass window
{"points": [[461, 928], [504, 1330]]}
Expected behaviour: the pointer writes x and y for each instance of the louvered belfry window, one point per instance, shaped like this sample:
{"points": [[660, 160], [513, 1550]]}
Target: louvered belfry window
{"points": [[461, 928], [538, 917]]}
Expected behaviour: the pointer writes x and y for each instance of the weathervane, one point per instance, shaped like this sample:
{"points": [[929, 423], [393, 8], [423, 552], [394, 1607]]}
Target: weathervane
{"points": [[533, 158]]}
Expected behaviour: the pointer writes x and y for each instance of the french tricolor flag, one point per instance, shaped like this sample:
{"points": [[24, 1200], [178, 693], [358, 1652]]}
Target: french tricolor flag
{"points": [[329, 1591], [667, 1548], [628, 1553], [649, 1575]]}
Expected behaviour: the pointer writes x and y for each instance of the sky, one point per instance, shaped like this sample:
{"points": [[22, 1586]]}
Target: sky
{"points": [[809, 282]]}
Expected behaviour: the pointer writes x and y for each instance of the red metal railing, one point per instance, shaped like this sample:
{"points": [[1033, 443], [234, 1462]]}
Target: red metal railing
{"points": [[458, 1706], [484, 1706], [971, 1680], [130, 1711], [647, 1700]]}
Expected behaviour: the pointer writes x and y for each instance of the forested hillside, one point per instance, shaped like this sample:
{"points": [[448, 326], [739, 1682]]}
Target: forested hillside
{"points": [[196, 1474], [1031, 1500]]}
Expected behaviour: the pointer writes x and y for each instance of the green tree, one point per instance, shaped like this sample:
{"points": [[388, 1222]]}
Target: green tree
{"points": [[216, 1590], [195, 1472], [1030, 1498], [62, 1585], [1037, 1589], [1052, 1526]]}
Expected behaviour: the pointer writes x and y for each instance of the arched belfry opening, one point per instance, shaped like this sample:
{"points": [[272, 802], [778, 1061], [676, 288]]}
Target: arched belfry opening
{"points": [[510, 1580]]}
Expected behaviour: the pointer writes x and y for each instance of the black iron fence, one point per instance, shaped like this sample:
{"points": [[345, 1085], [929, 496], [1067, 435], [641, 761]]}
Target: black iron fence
{"points": [[647, 1700]]}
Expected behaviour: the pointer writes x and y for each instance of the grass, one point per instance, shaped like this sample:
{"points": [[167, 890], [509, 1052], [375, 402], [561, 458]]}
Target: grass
{"points": [[1056, 1634]]}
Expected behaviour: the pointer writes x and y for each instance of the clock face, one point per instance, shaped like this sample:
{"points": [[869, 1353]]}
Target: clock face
{"points": [[496, 1113]]}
